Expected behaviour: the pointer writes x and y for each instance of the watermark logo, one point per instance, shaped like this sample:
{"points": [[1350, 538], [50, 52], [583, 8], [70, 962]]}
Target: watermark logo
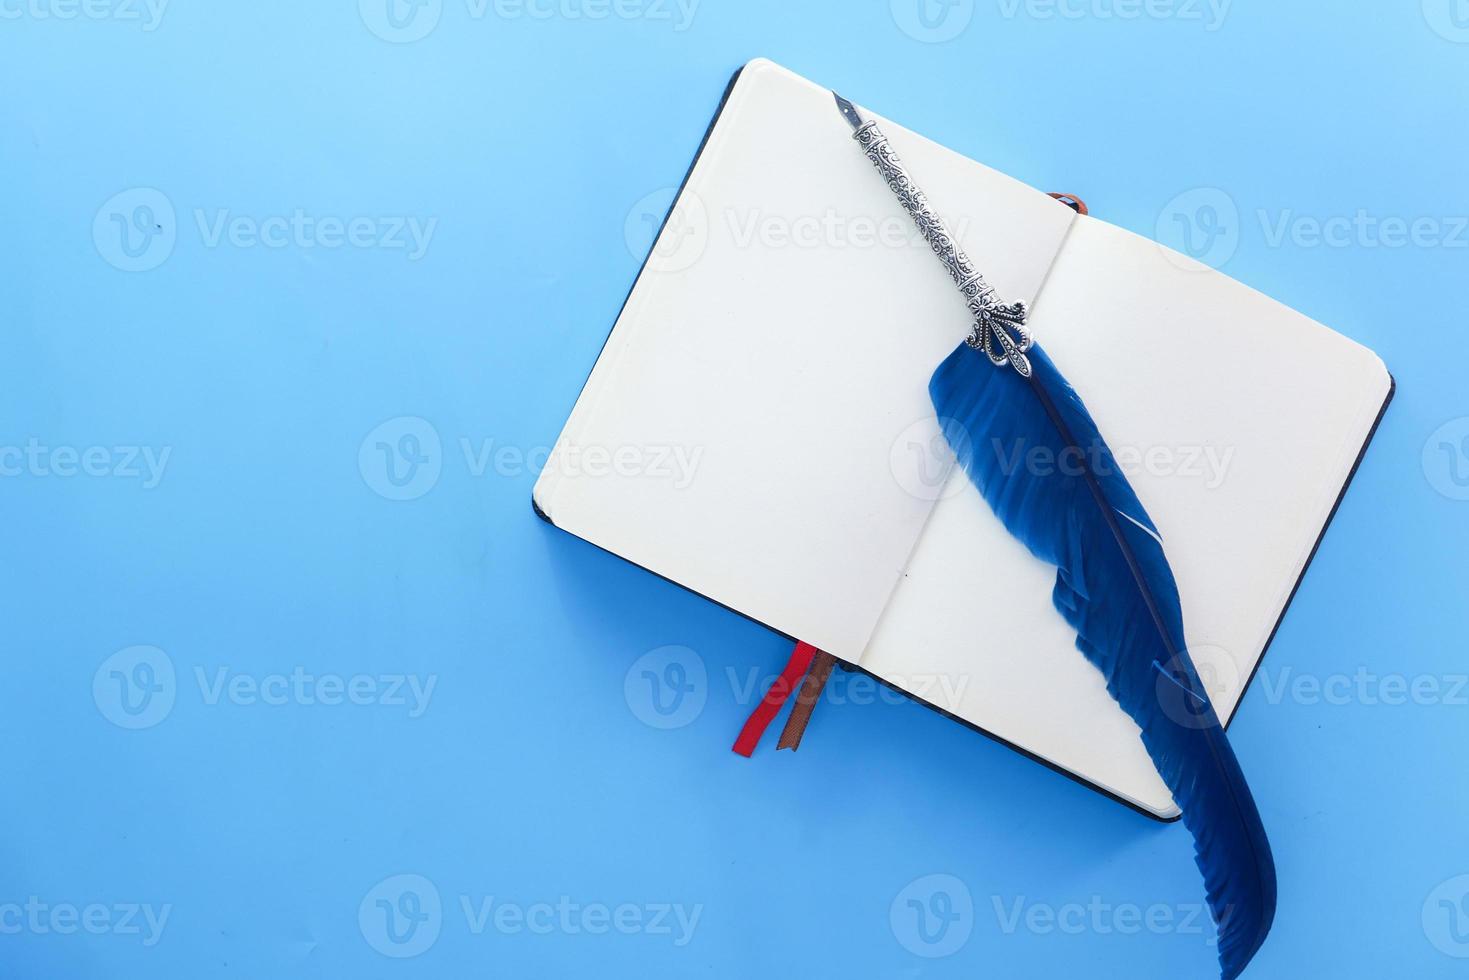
{"points": [[932, 21], [829, 230], [1448, 18], [675, 465], [401, 916], [859, 689], [401, 21], [679, 13], [41, 461], [924, 455], [402, 458], [1363, 229], [1208, 465], [404, 915], [679, 242], [147, 14], [39, 918], [1202, 224], [1446, 459], [572, 918], [1446, 917], [136, 230], [1210, 13], [684, 235], [933, 916], [300, 229], [406, 21], [667, 688], [1216, 672], [411, 692], [1365, 688], [1103, 918], [135, 688], [1205, 225]]}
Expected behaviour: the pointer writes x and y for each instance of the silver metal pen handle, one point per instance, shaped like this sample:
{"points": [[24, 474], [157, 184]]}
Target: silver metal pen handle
{"points": [[999, 329]]}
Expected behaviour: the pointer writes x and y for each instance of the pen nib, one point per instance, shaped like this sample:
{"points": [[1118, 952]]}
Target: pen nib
{"points": [[848, 111]]}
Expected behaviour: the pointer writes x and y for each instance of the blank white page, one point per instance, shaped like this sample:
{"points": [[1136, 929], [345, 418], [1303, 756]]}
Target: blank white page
{"points": [[1180, 361], [782, 335]]}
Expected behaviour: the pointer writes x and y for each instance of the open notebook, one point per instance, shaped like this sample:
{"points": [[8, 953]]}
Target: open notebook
{"points": [[782, 335]]}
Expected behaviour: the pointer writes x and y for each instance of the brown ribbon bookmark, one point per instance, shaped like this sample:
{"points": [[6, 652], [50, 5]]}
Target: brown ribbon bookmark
{"points": [[1073, 202], [811, 688]]}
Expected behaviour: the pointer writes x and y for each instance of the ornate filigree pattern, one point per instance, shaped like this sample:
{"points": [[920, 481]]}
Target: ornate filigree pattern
{"points": [[999, 329]]}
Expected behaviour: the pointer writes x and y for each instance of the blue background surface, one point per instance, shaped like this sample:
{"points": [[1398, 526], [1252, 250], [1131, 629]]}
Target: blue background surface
{"points": [[265, 544]]}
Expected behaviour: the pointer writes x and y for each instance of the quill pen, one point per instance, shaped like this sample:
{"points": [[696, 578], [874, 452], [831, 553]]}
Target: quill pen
{"points": [[1113, 581]]}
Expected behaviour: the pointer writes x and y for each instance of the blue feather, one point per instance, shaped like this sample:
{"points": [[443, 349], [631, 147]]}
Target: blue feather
{"points": [[1115, 587]]}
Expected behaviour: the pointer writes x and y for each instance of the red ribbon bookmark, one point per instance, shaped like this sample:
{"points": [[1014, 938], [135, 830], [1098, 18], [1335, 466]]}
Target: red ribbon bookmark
{"points": [[770, 705]]}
